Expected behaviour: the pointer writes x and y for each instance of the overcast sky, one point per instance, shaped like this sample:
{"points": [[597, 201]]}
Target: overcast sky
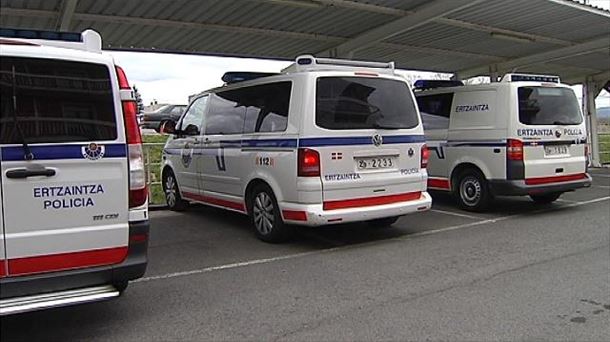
{"points": [[171, 78]]}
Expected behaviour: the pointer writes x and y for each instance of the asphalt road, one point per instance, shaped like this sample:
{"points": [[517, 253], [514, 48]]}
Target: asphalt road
{"points": [[519, 272]]}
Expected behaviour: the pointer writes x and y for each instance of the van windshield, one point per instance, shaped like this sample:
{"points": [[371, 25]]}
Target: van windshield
{"points": [[364, 103], [56, 101], [548, 106]]}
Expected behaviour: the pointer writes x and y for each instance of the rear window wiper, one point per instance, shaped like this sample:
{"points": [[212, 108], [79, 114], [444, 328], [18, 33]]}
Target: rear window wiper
{"points": [[563, 123], [27, 152]]}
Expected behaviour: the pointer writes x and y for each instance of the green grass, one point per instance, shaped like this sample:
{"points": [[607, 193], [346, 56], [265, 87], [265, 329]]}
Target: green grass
{"points": [[152, 159], [604, 148]]}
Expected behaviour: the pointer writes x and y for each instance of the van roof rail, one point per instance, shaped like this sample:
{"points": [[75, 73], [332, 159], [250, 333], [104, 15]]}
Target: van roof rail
{"points": [[511, 77], [88, 40], [311, 63], [431, 84], [241, 76]]}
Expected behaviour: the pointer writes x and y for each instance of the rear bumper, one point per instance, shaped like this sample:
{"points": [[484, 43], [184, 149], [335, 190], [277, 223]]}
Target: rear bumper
{"points": [[519, 188], [55, 284], [315, 215]]}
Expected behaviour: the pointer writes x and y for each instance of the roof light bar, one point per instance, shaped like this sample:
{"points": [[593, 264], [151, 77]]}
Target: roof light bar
{"points": [[431, 84], [38, 34], [241, 76], [530, 78], [88, 40]]}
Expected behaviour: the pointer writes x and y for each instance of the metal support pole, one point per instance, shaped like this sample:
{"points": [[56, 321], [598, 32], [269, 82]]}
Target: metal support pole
{"points": [[589, 93]]}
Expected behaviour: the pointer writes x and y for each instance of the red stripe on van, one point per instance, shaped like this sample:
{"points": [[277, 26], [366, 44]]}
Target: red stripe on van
{"points": [[555, 179], [2, 268], [215, 201], [370, 201], [66, 261], [440, 183]]}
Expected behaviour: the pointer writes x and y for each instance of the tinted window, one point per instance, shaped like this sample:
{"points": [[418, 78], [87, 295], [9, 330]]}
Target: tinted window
{"points": [[193, 119], [548, 106], [361, 103], [56, 101], [226, 114], [267, 107], [435, 110]]}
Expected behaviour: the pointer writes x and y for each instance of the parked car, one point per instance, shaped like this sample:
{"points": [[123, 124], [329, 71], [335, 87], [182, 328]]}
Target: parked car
{"points": [[325, 142], [153, 119]]}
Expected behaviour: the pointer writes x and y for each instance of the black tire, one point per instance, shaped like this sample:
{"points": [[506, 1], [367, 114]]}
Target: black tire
{"points": [[265, 215], [172, 193], [472, 191], [383, 222], [545, 198]]}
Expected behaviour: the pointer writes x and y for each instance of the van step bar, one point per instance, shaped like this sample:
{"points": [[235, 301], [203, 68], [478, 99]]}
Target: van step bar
{"points": [[57, 299]]}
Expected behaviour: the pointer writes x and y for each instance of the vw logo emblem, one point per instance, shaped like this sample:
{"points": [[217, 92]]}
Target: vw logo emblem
{"points": [[411, 152], [558, 133], [377, 140]]}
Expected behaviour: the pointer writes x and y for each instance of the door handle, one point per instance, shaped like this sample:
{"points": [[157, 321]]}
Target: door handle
{"points": [[25, 173]]}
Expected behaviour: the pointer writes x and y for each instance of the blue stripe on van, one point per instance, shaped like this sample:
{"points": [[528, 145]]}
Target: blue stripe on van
{"points": [[51, 152], [269, 143], [367, 140]]}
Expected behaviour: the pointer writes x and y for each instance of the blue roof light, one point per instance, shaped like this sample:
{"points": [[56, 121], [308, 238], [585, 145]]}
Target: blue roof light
{"points": [[429, 84], [38, 34], [240, 76]]}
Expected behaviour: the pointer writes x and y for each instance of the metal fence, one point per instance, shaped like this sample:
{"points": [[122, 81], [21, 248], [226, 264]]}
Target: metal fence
{"points": [[604, 147], [152, 164]]}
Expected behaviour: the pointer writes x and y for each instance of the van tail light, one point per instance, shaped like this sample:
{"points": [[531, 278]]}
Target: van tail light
{"points": [[514, 149], [138, 192], [425, 156], [309, 163]]}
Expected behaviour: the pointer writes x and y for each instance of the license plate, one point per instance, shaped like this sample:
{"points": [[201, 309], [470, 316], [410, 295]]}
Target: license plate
{"points": [[376, 163], [555, 150]]}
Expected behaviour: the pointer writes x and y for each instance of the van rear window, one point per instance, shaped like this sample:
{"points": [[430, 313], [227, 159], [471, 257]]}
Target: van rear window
{"points": [[55, 101], [548, 106], [364, 103]]}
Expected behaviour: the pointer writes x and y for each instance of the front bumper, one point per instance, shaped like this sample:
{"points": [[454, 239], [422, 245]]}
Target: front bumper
{"points": [[317, 216], [519, 188], [54, 285]]}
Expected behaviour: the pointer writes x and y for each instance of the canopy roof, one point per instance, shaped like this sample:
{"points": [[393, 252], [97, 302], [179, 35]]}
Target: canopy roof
{"points": [[466, 37]]}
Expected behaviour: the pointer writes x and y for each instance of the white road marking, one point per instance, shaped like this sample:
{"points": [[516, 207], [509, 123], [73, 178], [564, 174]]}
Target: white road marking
{"points": [[601, 186], [565, 200], [456, 214], [334, 249]]}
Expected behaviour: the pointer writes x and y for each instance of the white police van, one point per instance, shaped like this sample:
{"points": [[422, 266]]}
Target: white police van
{"points": [[324, 142], [524, 135], [74, 219]]}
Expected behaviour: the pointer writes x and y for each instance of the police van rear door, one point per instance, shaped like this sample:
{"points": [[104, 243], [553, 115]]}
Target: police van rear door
{"points": [[553, 131], [371, 141], [64, 164]]}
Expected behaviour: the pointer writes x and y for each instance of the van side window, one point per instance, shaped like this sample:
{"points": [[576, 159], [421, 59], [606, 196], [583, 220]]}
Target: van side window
{"points": [[435, 110], [226, 114], [56, 101], [193, 119], [268, 106]]}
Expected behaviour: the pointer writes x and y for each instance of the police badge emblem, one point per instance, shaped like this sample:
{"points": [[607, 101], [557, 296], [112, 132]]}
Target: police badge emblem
{"points": [[93, 151]]}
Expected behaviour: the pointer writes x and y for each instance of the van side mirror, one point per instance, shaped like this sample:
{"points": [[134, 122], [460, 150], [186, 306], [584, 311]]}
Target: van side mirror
{"points": [[167, 127], [191, 130]]}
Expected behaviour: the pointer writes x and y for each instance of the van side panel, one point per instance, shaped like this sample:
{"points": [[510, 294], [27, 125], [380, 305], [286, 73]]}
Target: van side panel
{"points": [[477, 132]]}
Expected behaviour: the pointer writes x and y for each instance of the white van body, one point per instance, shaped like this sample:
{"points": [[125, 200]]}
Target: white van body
{"points": [[71, 229], [525, 135], [358, 173]]}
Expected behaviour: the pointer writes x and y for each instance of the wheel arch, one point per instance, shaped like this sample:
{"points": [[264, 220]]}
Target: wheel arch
{"points": [[458, 169]]}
